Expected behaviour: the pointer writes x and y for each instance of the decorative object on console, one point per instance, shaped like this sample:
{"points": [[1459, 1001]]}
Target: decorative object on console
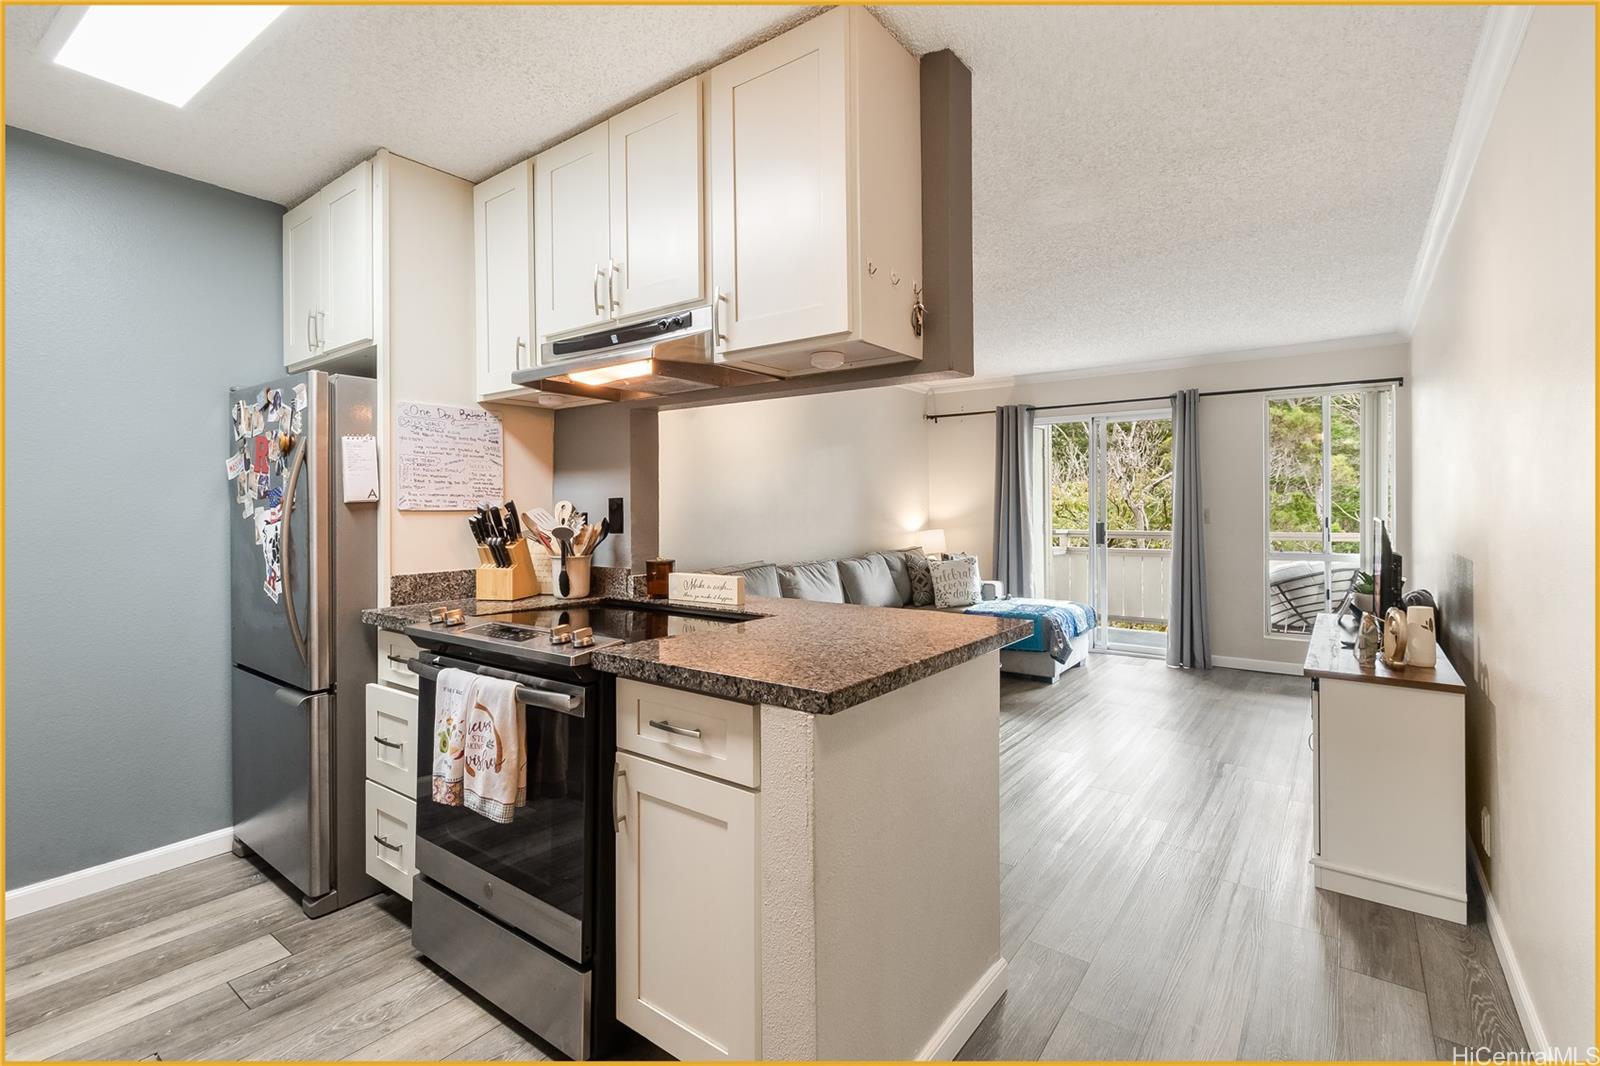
{"points": [[955, 581], [1394, 637], [1422, 646], [1362, 591], [921, 577], [1368, 639], [718, 590], [656, 572]]}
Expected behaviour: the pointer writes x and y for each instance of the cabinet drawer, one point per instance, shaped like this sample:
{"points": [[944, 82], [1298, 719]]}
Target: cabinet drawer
{"points": [[392, 738], [391, 838], [710, 735], [393, 651]]}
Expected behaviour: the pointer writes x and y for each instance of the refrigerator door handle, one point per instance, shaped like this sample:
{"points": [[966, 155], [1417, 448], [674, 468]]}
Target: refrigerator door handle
{"points": [[296, 464]]}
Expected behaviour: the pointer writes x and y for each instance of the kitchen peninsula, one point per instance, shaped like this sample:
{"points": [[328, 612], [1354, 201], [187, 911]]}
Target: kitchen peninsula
{"points": [[805, 811]]}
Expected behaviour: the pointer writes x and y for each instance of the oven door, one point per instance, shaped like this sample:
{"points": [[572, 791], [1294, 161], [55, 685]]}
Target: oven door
{"points": [[535, 873]]}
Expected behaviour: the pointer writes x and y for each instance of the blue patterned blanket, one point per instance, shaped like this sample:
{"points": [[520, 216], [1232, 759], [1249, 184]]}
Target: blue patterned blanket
{"points": [[1055, 622]]}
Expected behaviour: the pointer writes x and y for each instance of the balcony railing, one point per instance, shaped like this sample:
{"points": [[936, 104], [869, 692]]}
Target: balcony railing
{"points": [[1137, 572]]}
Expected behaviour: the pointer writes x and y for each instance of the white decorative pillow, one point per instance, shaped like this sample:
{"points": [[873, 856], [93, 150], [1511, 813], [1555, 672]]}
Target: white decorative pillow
{"points": [[955, 581]]}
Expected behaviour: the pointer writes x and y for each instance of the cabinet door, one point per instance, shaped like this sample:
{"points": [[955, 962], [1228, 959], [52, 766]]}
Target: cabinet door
{"points": [[347, 321], [571, 218], [688, 896], [656, 235], [304, 254], [502, 234], [777, 157]]}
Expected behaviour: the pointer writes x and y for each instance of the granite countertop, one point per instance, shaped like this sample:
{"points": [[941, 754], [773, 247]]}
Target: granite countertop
{"points": [[813, 657], [396, 619]]}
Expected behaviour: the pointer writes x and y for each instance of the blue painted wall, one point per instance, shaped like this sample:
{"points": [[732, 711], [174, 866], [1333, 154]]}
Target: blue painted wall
{"points": [[134, 299]]}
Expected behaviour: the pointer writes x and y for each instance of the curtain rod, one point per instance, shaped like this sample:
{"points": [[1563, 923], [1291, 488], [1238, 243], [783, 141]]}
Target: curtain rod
{"points": [[1161, 399]]}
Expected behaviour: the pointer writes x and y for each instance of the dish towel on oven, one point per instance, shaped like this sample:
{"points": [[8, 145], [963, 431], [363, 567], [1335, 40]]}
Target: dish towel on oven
{"points": [[495, 761], [452, 691]]}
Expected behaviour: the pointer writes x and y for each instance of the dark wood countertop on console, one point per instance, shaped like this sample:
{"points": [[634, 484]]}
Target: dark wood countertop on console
{"points": [[1327, 657]]}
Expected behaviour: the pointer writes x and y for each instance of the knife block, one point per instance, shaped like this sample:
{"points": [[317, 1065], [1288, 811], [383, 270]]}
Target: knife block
{"points": [[509, 582]]}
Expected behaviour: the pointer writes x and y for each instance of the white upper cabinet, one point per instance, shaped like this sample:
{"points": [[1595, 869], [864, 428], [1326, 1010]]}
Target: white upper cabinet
{"points": [[572, 223], [656, 219], [348, 309], [814, 157], [502, 245], [327, 271], [617, 217], [305, 243]]}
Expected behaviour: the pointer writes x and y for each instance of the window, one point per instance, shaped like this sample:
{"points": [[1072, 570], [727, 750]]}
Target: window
{"points": [[1329, 472]]}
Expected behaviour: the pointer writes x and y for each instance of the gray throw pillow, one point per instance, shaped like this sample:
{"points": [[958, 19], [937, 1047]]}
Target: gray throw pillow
{"points": [[955, 581], [899, 573], [920, 576], [761, 580], [811, 581], [867, 581]]}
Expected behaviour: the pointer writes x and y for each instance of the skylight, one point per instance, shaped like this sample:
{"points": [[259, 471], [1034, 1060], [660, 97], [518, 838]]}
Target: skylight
{"points": [[166, 52]]}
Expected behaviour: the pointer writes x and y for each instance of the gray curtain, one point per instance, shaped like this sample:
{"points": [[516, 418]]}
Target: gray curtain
{"points": [[1013, 518], [1188, 631]]}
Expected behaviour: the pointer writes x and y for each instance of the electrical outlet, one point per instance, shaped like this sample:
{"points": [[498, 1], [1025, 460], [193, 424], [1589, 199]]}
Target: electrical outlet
{"points": [[1484, 837]]}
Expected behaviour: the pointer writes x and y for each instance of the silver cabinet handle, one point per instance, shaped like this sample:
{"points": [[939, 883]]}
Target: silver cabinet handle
{"points": [[613, 268], [599, 276], [722, 335], [384, 841], [619, 804], [401, 659], [516, 354], [311, 324], [681, 731], [322, 330], [386, 742]]}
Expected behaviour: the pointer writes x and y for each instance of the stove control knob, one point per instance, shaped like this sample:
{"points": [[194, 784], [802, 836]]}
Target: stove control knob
{"points": [[561, 634], [455, 617], [583, 637]]}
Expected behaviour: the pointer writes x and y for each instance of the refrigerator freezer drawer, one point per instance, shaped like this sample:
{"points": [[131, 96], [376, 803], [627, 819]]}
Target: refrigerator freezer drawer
{"points": [[281, 765]]}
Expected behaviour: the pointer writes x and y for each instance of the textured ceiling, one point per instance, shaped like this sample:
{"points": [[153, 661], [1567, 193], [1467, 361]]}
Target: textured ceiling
{"points": [[1148, 182]]}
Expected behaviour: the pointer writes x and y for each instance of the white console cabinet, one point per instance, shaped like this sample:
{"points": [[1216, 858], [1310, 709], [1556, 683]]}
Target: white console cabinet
{"points": [[1389, 778]]}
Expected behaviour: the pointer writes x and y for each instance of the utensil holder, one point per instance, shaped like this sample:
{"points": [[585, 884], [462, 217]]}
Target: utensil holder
{"points": [[579, 570], [509, 582], [544, 566]]}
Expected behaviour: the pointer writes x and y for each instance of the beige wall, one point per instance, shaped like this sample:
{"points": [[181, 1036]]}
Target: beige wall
{"points": [[1503, 492], [1232, 442], [425, 355], [803, 477]]}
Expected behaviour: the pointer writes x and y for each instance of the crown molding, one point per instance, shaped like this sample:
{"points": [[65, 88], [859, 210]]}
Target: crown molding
{"points": [[1215, 358], [1503, 30]]}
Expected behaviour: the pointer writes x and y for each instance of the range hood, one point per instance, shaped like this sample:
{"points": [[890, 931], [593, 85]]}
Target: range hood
{"points": [[663, 356]]}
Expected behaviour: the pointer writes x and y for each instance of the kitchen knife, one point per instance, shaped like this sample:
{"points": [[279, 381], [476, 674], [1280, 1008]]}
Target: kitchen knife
{"points": [[513, 521], [477, 530], [497, 548], [499, 523]]}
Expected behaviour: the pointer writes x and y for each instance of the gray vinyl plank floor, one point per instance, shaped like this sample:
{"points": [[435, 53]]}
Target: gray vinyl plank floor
{"points": [[1156, 903]]}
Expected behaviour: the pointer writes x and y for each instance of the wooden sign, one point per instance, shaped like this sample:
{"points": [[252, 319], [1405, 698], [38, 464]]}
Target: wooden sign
{"points": [[717, 590]]}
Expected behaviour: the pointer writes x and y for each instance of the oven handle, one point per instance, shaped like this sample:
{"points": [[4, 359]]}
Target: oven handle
{"points": [[549, 701]]}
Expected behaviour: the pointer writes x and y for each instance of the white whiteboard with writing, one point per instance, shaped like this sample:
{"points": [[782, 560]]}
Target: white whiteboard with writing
{"points": [[447, 458]]}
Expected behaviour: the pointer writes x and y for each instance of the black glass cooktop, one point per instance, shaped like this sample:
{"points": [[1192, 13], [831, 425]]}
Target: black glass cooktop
{"points": [[621, 623]]}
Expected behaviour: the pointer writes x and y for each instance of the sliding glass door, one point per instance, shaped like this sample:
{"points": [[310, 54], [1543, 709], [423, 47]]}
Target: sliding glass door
{"points": [[1108, 541], [1329, 472]]}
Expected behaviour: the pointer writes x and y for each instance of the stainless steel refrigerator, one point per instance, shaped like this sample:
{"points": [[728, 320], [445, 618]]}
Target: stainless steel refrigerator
{"points": [[304, 565]]}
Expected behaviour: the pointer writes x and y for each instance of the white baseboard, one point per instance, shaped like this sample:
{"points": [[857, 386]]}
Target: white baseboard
{"points": [[957, 1029], [1261, 666], [30, 899], [1532, 1028]]}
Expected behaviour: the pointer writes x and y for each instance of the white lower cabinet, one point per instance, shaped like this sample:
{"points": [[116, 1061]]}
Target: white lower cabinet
{"points": [[688, 906], [392, 755], [391, 838]]}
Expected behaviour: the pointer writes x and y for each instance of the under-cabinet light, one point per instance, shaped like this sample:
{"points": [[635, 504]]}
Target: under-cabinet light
{"points": [[605, 375], [163, 51]]}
